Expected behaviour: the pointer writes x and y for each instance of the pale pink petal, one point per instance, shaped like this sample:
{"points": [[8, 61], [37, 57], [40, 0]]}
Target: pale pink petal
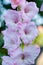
{"points": [[32, 52], [16, 3], [12, 16], [15, 52], [29, 9], [29, 33], [7, 60]]}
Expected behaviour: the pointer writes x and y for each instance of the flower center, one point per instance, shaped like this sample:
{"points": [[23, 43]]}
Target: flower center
{"points": [[26, 31], [26, 10], [23, 56]]}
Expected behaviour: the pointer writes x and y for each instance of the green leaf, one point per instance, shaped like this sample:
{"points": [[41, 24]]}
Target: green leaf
{"points": [[22, 45], [3, 26], [1, 40], [0, 61], [3, 52], [41, 13]]}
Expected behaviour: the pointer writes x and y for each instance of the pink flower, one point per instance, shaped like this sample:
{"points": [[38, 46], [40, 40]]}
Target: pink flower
{"points": [[29, 32], [27, 55], [12, 16], [11, 37], [22, 32], [29, 9], [16, 3]]}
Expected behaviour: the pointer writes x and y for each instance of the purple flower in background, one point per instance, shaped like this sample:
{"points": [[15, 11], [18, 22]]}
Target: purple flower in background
{"points": [[41, 9]]}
